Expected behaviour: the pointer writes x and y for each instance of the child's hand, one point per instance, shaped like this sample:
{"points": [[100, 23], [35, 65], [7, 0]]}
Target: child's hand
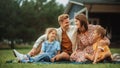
{"points": [[52, 59], [101, 48], [94, 62]]}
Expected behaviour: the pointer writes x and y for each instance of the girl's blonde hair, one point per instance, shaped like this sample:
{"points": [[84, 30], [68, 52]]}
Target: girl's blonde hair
{"points": [[101, 30], [49, 30]]}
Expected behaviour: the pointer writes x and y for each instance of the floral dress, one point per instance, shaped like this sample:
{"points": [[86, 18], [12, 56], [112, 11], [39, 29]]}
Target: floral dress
{"points": [[84, 44]]}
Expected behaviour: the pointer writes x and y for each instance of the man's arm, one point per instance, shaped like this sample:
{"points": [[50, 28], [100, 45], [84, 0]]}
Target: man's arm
{"points": [[39, 40], [37, 45]]}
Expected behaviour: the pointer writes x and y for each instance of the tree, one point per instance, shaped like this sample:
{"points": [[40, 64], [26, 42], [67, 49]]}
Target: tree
{"points": [[27, 19], [8, 15]]}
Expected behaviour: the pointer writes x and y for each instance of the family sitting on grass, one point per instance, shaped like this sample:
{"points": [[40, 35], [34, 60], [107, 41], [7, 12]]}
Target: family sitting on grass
{"points": [[77, 43]]}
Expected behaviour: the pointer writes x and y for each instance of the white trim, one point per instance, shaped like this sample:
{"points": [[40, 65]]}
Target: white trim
{"points": [[86, 12], [94, 21], [83, 10], [70, 4], [76, 3]]}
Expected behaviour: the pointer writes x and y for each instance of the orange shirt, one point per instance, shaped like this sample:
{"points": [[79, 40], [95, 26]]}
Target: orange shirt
{"points": [[104, 49], [66, 44]]}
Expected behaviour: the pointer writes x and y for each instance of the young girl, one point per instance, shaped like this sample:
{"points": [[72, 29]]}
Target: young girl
{"points": [[101, 51], [50, 48]]}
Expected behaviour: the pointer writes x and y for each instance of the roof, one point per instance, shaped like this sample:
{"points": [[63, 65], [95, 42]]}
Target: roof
{"points": [[71, 3], [71, 8], [98, 1]]}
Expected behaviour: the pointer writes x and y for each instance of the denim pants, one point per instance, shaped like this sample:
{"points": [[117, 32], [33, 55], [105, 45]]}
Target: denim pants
{"points": [[41, 58]]}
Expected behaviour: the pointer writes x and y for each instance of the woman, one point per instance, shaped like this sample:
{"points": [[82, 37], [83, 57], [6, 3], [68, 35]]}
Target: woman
{"points": [[84, 38]]}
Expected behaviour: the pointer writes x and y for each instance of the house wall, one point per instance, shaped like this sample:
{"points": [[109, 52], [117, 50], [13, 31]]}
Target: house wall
{"points": [[103, 8], [110, 21], [107, 15], [74, 9]]}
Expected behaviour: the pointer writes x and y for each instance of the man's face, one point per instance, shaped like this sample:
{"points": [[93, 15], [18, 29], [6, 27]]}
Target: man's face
{"points": [[65, 24]]}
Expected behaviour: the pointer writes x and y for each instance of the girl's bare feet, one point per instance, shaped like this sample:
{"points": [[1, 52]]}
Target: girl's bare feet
{"points": [[94, 62]]}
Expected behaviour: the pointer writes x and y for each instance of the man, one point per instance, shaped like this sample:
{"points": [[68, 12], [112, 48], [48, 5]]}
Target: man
{"points": [[66, 35]]}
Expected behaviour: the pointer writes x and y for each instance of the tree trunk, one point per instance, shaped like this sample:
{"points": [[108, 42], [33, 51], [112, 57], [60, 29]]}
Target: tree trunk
{"points": [[12, 44]]}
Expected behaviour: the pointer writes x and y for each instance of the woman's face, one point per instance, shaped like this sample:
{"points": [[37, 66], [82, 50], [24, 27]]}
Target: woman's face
{"points": [[52, 35], [77, 23]]}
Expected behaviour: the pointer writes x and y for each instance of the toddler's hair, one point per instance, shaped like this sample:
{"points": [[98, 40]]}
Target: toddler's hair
{"points": [[49, 30]]}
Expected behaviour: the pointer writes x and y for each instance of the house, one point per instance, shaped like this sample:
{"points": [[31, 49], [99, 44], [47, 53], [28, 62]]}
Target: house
{"points": [[103, 12]]}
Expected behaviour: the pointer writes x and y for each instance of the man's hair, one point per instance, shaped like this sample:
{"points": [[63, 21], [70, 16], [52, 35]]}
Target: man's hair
{"points": [[62, 17], [101, 30]]}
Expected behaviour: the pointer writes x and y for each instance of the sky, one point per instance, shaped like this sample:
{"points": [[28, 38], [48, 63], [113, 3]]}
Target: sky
{"points": [[64, 2]]}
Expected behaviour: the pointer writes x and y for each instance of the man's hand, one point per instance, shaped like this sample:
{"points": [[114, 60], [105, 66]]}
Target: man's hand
{"points": [[32, 52]]}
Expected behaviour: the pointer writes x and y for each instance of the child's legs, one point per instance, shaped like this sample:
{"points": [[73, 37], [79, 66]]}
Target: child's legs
{"points": [[97, 55], [41, 57], [89, 57], [104, 55], [34, 51]]}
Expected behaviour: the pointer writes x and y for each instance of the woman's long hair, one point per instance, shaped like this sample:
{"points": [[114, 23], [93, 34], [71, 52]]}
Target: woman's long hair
{"points": [[83, 21]]}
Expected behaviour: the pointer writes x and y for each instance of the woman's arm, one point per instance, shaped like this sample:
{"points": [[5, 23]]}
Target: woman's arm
{"points": [[104, 41], [39, 40]]}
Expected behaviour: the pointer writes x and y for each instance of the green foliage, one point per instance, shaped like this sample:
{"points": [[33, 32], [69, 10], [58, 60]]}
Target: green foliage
{"points": [[27, 19]]}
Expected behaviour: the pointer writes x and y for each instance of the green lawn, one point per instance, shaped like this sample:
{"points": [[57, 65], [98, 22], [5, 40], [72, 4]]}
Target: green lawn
{"points": [[6, 54]]}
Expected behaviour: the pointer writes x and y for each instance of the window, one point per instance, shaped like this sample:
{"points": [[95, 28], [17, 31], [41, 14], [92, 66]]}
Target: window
{"points": [[94, 21]]}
